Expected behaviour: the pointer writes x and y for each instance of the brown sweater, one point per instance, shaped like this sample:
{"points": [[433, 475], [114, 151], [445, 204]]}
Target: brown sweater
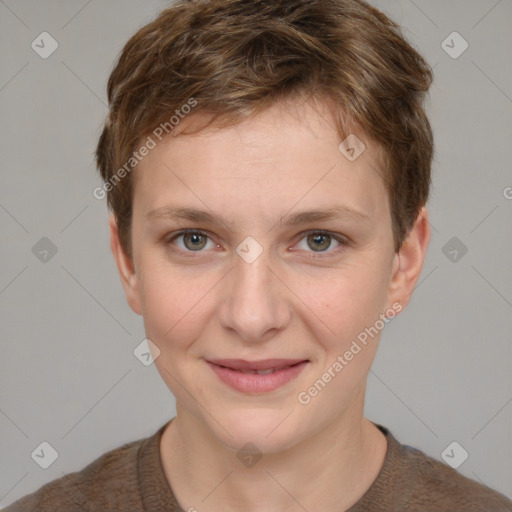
{"points": [[131, 478]]}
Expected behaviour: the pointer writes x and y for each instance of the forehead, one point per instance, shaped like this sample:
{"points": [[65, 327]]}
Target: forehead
{"points": [[286, 155]]}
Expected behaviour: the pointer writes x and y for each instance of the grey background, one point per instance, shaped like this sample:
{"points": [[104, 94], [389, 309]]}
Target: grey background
{"points": [[68, 374]]}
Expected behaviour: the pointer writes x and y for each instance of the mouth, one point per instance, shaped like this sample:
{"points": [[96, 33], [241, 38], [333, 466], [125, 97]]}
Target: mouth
{"points": [[257, 376]]}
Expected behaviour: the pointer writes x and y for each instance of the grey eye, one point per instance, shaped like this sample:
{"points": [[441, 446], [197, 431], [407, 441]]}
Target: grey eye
{"points": [[319, 241], [194, 241]]}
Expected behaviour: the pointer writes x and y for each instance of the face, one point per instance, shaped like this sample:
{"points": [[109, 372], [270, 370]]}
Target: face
{"points": [[258, 275]]}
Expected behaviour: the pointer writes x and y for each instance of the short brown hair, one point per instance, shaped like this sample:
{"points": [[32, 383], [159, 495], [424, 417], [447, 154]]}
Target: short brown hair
{"points": [[236, 57]]}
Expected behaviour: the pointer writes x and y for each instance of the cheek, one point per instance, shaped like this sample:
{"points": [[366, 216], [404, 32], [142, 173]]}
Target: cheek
{"points": [[346, 303], [173, 304]]}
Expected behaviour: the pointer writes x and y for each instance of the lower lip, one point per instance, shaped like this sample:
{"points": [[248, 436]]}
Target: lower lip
{"points": [[255, 383]]}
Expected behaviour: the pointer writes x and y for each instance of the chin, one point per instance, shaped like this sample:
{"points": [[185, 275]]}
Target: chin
{"points": [[270, 430]]}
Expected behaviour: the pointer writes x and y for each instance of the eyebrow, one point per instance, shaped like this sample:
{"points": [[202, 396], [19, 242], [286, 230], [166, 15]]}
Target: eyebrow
{"points": [[304, 217]]}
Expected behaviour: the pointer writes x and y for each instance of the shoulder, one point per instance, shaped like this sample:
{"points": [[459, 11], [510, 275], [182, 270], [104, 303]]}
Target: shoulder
{"points": [[434, 486], [107, 483]]}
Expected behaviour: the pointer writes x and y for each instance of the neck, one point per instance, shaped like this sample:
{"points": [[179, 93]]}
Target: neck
{"points": [[331, 470]]}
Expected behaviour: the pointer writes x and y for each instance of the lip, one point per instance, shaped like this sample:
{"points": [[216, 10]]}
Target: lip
{"points": [[264, 364], [254, 383]]}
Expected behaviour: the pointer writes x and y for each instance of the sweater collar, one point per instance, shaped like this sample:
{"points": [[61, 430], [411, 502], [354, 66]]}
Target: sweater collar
{"points": [[157, 494]]}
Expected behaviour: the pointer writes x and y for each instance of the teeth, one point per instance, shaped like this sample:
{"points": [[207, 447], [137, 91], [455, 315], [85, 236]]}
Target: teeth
{"points": [[263, 372]]}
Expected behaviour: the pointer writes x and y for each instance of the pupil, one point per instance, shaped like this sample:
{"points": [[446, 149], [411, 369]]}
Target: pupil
{"points": [[318, 239], [195, 239]]}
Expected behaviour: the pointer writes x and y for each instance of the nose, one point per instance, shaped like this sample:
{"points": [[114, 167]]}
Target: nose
{"points": [[254, 303]]}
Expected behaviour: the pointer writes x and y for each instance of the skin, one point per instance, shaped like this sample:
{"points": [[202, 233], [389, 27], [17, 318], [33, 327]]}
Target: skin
{"points": [[282, 305]]}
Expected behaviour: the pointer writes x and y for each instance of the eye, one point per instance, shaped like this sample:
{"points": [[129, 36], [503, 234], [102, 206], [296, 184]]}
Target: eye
{"points": [[321, 242], [192, 241]]}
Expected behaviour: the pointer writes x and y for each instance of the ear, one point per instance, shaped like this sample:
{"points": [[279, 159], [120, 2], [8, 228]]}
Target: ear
{"points": [[408, 261], [125, 267]]}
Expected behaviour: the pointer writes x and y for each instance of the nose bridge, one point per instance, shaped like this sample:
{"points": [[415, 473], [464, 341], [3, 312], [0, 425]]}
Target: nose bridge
{"points": [[254, 303]]}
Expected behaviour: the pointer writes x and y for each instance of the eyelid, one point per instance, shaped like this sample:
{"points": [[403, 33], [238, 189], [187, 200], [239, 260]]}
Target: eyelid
{"points": [[337, 236]]}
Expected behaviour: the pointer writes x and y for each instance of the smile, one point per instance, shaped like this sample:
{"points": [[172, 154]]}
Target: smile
{"points": [[271, 374]]}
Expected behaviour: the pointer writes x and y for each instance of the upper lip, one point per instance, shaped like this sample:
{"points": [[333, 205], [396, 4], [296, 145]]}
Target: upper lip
{"points": [[266, 364]]}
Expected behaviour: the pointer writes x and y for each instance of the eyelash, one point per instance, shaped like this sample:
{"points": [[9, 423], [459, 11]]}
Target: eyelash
{"points": [[310, 254]]}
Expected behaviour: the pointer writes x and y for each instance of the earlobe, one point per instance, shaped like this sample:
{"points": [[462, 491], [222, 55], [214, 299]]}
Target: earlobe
{"points": [[125, 267], [408, 262]]}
